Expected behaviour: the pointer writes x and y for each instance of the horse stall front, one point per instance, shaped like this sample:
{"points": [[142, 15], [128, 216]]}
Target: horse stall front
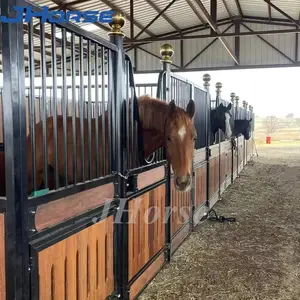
{"points": [[82, 216]]}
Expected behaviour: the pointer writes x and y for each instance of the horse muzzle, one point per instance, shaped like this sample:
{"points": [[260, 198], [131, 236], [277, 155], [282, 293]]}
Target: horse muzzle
{"points": [[182, 183]]}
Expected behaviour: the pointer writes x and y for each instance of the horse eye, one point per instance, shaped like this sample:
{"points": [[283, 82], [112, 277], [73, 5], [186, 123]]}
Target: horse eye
{"points": [[168, 138]]}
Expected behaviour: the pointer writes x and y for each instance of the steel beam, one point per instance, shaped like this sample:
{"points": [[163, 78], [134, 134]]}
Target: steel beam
{"points": [[219, 35], [239, 7], [214, 26], [269, 44], [191, 5], [213, 13], [237, 44], [205, 48], [162, 13], [227, 9], [282, 12]]}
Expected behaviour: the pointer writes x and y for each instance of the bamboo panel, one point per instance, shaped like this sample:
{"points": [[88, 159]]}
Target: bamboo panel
{"points": [[80, 266], [146, 228], [181, 208], [200, 193], [2, 258]]}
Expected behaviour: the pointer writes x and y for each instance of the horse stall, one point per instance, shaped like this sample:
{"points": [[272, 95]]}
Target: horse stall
{"points": [[83, 213]]}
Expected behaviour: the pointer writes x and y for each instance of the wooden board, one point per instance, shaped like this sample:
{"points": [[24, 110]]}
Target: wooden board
{"points": [[200, 189], [150, 177], [80, 266], [181, 208], [2, 258], [54, 212], [147, 276], [146, 228]]}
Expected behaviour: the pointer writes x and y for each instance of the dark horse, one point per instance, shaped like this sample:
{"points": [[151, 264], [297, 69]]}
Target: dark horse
{"points": [[220, 118], [242, 127]]}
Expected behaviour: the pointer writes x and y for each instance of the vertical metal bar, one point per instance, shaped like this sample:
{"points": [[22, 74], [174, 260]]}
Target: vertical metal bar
{"points": [[110, 109], [103, 108], [97, 111], [16, 177], [74, 145], [44, 107], [31, 102], [64, 102], [81, 108], [89, 107], [54, 102], [128, 120]]}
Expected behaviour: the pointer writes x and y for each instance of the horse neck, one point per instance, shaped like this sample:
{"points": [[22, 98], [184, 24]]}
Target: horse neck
{"points": [[152, 113], [213, 123]]}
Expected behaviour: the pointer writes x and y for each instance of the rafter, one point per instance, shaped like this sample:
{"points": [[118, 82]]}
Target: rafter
{"points": [[270, 12], [282, 12], [214, 26], [237, 2], [269, 44], [227, 9], [191, 5], [162, 13]]}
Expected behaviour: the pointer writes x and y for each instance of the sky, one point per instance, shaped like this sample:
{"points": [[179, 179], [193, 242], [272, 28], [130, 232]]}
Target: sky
{"points": [[269, 91]]}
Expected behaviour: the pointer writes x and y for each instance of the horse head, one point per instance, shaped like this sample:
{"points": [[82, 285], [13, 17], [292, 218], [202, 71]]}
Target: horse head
{"points": [[220, 119], [180, 135], [246, 129]]}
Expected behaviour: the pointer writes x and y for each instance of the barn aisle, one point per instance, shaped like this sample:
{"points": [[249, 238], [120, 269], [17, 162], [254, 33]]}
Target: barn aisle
{"points": [[258, 257]]}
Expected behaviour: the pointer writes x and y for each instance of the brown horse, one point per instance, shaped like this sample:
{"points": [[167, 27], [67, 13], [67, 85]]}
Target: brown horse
{"points": [[162, 125]]}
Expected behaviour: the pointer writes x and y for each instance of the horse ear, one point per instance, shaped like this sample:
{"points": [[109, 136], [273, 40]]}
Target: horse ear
{"points": [[229, 106], [171, 107], [190, 109]]}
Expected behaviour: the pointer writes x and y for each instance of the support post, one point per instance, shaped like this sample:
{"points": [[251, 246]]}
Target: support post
{"points": [[118, 110], [206, 79], [232, 96], [17, 261], [166, 52], [219, 133], [252, 131], [237, 117], [244, 141]]}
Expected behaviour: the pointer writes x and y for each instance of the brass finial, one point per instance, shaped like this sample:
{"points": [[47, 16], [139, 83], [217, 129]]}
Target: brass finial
{"points": [[251, 108], [232, 95], [237, 98], [118, 22], [244, 104], [218, 85], [206, 78], [166, 52]]}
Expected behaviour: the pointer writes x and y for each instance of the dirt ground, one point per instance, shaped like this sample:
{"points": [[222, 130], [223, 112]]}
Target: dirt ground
{"points": [[256, 258]]}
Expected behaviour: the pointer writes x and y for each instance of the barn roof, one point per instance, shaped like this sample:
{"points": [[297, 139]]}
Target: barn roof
{"points": [[205, 35]]}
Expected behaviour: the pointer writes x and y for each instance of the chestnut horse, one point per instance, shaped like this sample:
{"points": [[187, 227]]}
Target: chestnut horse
{"points": [[162, 124]]}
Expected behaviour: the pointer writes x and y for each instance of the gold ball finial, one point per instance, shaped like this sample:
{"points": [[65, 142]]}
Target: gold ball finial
{"points": [[206, 77], [251, 108], [218, 85], [244, 104], [166, 52], [118, 22], [232, 95]]}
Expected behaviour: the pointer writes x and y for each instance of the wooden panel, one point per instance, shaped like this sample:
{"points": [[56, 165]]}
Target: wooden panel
{"points": [[214, 175], [200, 191], [149, 177], [199, 156], [147, 276], [80, 266], [2, 258], [57, 211], [181, 208], [180, 237], [146, 228]]}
